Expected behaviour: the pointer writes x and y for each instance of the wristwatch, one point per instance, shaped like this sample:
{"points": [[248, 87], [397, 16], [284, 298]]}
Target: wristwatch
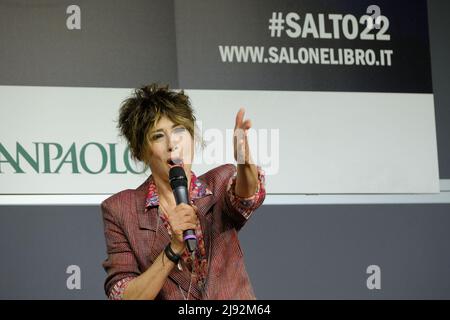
{"points": [[171, 255]]}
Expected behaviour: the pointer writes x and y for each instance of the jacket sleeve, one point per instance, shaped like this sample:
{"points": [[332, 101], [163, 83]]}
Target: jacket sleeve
{"points": [[120, 264], [239, 209]]}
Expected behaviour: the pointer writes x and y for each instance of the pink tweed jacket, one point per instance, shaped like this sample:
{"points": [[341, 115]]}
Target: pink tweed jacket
{"points": [[133, 241]]}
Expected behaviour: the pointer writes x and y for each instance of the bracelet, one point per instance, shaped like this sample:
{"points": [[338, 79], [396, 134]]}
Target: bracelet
{"points": [[171, 255]]}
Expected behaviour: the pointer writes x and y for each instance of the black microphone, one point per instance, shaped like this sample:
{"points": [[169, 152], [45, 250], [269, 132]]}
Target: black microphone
{"points": [[178, 182]]}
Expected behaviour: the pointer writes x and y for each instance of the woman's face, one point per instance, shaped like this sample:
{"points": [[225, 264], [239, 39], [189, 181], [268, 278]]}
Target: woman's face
{"points": [[168, 142]]}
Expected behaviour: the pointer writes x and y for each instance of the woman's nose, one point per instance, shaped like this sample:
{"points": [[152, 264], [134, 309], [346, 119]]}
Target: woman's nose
{"points": [[172, 145]]}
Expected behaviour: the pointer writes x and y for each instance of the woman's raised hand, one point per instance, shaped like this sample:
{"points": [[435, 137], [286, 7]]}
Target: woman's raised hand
{"points": [[240, 141]]}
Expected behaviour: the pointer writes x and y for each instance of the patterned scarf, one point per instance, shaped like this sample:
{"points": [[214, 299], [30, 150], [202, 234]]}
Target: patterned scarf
{"points": [[198, 265]]}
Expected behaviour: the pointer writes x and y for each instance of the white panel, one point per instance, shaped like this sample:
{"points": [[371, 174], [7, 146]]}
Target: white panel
{"points": [[332, 142], [329, 142]]}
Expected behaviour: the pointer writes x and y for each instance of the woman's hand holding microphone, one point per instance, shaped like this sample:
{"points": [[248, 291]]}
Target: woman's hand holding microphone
{"points": [[183, 217]]}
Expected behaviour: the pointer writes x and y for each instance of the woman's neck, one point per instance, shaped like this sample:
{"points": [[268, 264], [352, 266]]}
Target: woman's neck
{"points": [[165, 193]]}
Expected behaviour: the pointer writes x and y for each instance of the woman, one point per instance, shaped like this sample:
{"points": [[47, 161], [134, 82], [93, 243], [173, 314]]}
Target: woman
{"points": [[147, 257]]}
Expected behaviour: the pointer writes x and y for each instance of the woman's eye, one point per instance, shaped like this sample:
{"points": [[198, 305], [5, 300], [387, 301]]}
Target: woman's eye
{"points": [[157, 136], [179, 129]]}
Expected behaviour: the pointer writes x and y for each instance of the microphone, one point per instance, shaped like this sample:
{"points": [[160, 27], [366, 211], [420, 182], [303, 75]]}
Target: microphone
{"points": [[178, 183]]}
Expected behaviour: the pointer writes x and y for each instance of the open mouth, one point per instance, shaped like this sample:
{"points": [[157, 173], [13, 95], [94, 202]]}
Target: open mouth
{"points": [[174, 162]]}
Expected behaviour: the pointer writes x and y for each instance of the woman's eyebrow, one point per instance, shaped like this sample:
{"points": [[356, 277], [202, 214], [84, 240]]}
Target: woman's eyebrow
{"points": [[173, 126]]}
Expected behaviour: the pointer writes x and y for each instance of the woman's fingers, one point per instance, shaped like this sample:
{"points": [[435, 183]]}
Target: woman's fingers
{"points": [[187, 226], [240, 122], [239, 118], [240, 141], [191, 218], [247, 124], [185, 213]]}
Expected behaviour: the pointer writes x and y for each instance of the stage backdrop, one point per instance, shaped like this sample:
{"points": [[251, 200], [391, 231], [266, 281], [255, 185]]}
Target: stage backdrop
{"points": [[66, 66], [339, 92]]}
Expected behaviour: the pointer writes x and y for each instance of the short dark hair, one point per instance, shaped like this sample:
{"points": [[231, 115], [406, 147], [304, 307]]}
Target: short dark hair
{"points": [[139, 114]]}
